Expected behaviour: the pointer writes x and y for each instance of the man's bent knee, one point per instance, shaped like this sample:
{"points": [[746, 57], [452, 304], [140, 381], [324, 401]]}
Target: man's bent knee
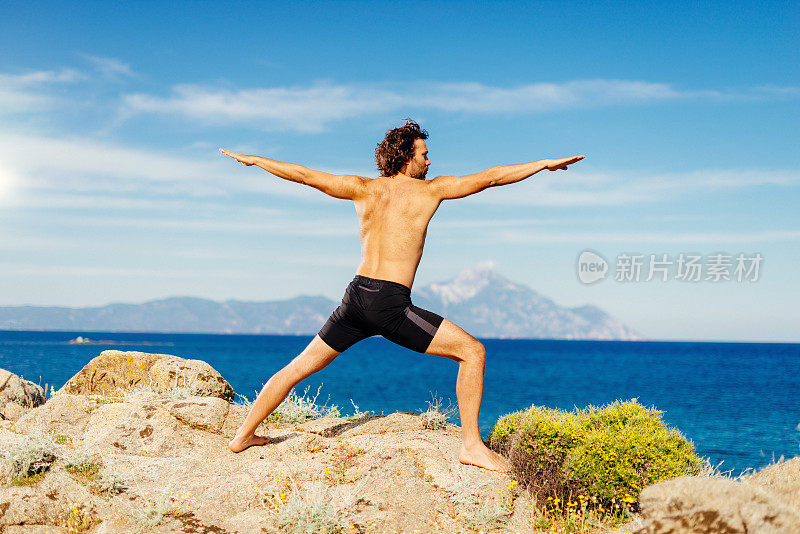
{"points": [[454, 343], [475, 353]]}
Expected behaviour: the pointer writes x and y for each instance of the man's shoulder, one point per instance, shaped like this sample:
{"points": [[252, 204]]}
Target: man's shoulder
{"points": [[410, 187], [419, 185]]}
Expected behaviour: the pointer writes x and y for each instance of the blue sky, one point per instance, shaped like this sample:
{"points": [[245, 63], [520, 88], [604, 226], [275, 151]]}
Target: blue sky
{"points": [[112, 189]]}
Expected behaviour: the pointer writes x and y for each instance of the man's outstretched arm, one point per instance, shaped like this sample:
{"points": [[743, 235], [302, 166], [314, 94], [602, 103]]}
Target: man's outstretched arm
{"points": [[448, 187], [345, 186]]}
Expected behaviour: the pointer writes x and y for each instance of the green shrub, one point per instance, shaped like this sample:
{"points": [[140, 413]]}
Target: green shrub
{"points": [[61, 439], [605, 455], [81, 462], [97, 400], [506, 426]]}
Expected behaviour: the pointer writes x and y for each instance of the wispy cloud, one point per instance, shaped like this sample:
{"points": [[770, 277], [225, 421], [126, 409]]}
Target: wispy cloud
{"points": [[25, 92], [312, 108], [539, 97], [110, 67], [686, 238], [286, 224], [576, 188], [89, 167], [85, 172], [39, 77], [116, 271], [777, 90], [304, 109]]}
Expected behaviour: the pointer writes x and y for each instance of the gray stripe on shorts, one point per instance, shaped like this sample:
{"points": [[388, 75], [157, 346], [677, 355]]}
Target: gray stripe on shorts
{"points": [[368, 289], [419, 321]]}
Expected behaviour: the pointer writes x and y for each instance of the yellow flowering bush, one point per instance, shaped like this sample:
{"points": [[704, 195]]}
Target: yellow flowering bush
{"points": [[609, 453]]}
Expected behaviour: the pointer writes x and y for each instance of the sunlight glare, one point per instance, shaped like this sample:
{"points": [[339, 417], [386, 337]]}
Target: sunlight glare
{"points": [[6, 185]]}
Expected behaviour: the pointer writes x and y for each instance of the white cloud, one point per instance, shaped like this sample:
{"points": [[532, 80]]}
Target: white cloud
{"points": [[576, 188], [305, 109], [282, 225], [21, 93], [38, 171], [90, 167], [776, 90], [117, 272], [312, 108], [476, 97], [473, 222], [110, 67], [686, 238], [38, 78], [65, 200]]}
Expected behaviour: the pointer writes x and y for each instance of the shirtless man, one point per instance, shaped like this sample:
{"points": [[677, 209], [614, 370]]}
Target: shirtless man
{"points": [[393, 214]]}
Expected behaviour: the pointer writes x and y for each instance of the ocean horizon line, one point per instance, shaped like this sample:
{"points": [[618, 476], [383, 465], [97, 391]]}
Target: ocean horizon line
{"points": [[228, 333]]}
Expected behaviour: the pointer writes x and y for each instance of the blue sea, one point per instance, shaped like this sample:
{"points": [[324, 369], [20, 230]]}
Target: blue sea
{"points": [[738, 402]]}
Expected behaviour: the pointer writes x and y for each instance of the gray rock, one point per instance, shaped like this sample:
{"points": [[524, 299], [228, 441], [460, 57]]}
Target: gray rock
{"points": [[17, 394], [49, 502], [693, 504], [782, 481], [61, 414], [384, 471]]}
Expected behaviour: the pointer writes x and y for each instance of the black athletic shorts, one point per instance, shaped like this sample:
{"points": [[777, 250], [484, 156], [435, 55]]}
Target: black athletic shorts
{"points": [[372, 307]]}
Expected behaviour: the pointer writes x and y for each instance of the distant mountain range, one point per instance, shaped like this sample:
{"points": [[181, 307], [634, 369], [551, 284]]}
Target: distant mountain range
{"points": [[481, 301]]}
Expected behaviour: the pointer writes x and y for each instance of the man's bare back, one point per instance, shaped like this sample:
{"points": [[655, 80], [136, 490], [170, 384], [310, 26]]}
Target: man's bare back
{"points": [[394, 212], [393, 221]]}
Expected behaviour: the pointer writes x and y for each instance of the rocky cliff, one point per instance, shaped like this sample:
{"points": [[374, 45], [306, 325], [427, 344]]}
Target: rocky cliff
{"points": [[156, 458]]}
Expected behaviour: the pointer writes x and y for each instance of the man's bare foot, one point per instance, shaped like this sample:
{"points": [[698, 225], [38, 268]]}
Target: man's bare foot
{"points": [[480, 455], [240, 443]]}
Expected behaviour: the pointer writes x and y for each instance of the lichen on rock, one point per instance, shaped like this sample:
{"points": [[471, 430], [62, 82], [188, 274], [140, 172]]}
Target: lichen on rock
{"points": [[115, 372]]}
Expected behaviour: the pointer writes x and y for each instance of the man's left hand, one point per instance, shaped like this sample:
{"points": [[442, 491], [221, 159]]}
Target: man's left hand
{"points": [[241, 158]]}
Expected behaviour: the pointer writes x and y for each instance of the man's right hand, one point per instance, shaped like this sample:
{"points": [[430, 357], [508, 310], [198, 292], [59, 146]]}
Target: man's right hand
{"points": [[561, 164], [241, 158]]}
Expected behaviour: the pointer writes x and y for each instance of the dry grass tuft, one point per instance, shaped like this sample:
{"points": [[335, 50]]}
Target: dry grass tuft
{"points": [[436, 417]]}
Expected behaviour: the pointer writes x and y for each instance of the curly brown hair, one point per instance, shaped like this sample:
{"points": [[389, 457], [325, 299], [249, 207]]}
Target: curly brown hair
{"points": [[397, 147]]}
